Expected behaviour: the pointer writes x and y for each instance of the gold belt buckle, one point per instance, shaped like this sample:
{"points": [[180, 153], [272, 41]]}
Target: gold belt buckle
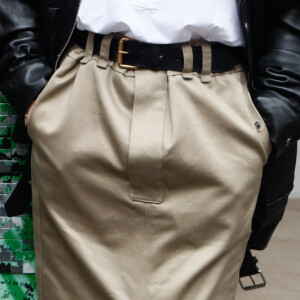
{"points": [[121, 52]]}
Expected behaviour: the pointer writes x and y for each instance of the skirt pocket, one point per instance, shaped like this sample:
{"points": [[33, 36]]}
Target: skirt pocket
{"points": [[258, 121], [70, 61]]}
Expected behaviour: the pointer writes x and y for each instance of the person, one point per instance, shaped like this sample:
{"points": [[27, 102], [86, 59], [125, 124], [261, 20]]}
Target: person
{"points": [[147, 149]]}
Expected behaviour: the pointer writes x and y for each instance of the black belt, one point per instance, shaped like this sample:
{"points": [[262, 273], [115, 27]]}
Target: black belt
{"points": [[164, 56]]}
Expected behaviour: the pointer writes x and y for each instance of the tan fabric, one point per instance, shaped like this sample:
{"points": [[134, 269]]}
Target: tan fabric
{"points": [[188, 60], [144, 183], [206, 62]]}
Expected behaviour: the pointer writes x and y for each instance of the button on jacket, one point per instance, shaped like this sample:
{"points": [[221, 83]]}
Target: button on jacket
{"points": [[34, 34]]}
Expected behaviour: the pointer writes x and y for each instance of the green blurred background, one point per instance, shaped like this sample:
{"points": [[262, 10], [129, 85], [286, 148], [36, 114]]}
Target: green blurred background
{"points": [[17, 262]]}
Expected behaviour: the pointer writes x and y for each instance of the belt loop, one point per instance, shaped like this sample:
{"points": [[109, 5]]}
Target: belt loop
{"points": [[206, 62], [188, 61], [104, 50], [88, 48]]}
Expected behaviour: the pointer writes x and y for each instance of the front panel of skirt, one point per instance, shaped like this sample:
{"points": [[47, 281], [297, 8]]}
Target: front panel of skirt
{"points": [[139, 193]]}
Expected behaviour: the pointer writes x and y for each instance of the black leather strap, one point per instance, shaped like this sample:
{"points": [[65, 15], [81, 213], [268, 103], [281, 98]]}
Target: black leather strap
{"points": [[165, 56]]}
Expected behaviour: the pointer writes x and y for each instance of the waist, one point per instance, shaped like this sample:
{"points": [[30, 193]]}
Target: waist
{"points": [[163, 56]]}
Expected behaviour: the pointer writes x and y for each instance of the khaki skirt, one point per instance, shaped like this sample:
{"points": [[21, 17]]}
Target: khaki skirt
{"points": [[144, 182]]}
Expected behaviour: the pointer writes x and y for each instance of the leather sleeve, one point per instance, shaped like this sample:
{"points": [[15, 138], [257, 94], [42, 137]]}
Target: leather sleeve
{"points": [[277, 77], [24, 67]]}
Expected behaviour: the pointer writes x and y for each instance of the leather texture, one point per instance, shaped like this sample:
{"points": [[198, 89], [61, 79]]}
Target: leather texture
{"points": [[277, 183], [34, 35], [24, 67], [277, 76]]}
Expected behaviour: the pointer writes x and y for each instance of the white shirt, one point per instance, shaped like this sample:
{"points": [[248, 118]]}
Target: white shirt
{"points": [[164, 21]]}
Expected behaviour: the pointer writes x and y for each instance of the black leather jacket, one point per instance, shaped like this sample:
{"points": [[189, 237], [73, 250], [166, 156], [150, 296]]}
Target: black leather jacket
{"points": [[35, 33]]}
